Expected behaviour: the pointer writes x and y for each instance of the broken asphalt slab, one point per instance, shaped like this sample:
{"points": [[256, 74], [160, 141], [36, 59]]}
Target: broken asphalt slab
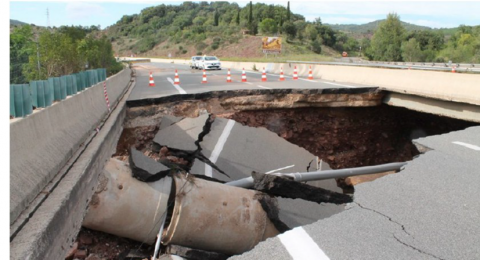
{"points": [[181, 135], [145, 168], [169, 120], [239, 150]]}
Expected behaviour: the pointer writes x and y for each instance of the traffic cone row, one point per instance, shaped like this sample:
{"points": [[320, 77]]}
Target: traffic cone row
{"points": [[244, 76]]}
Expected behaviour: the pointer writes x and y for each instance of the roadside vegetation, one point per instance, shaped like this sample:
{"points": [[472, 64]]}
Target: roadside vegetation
{"points": [[231, 33], [213, 28], [39, 53]]}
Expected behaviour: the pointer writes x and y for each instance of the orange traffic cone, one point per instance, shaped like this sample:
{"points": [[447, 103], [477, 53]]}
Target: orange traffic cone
{"points": [[244, 76], [310, 76], [281, 74], [204, 79], [151, 83], [177, 79], [453, 69], [229, 79], [264, 75], [295, 75]]}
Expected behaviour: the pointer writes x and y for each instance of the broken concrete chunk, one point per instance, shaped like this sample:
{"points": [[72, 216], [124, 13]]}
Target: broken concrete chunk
{"points": [[288, 188], [169, 120], [182, 135], [145, 168]]}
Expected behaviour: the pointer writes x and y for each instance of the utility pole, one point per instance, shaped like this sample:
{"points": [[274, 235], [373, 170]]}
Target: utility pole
{"points": [[48, 19]]}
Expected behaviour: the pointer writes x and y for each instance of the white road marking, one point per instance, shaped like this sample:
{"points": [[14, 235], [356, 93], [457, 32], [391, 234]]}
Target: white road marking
{"points": [[301, 246], [177, 86], [263, 87], [279, 169], [219, 146], [471, 146]]}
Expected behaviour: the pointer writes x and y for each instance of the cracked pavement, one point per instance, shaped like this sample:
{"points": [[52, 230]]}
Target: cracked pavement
{"points": [[226, 150], [429, 210]]}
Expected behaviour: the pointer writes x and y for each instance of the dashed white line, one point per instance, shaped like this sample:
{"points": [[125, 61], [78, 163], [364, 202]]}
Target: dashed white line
{"points": [[181, 90], [219, 147], [471, 146], [301, 246]]}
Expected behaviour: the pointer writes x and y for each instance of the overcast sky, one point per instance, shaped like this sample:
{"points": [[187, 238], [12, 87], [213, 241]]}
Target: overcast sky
{"points": [[434, 14]]}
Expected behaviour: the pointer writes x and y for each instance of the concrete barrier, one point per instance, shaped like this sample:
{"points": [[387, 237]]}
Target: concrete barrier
{"points": [[44, 141], [457, 87]]}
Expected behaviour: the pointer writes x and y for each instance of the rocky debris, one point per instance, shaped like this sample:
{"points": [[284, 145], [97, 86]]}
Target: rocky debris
{"points": [[193, 254], [80, 254], [93, 257], [288, 188], [146, 169], [110, 247], [71, 252], [134, 254]]}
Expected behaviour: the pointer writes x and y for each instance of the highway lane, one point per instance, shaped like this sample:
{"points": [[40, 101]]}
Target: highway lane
{"points": [[191, 81]]}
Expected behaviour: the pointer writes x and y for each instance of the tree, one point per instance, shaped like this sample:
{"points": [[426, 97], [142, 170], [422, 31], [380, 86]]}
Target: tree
{"points": [[387, 40], [288, 11], [21, 47], [411, 50], [290, 29], [267, 26], [311, 32], [216, 15], [237, 19]]}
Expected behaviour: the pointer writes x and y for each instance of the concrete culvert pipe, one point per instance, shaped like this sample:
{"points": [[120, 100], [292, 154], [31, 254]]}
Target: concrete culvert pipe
{"points": [[215, 217], [126, 207]]}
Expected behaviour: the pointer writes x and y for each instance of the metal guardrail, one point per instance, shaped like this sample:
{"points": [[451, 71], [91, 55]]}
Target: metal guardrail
{"points": [[42, 93], [461, 67]]}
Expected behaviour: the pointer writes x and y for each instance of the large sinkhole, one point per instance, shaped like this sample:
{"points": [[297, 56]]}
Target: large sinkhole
{"points": [[343, 129]]}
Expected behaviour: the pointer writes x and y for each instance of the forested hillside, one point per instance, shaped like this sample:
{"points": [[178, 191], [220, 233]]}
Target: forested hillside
{"points": [[220, 27]]}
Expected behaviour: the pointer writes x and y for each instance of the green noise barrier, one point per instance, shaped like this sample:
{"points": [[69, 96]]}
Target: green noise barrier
{"points": [[73, 78], [39, 96], [33, 92], [27, 99], [12, 101], [63, 87], [18, 96]]}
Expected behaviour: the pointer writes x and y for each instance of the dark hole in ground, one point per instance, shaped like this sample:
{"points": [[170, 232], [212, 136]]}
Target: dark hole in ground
{"points": [[343, 137]]}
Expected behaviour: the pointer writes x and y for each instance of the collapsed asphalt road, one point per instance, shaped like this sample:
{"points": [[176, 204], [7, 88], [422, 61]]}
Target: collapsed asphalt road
{"points": [[210, 148]]}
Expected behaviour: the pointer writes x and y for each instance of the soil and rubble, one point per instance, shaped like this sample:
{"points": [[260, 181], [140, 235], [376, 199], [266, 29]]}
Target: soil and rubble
{"points": [[340, 136]]}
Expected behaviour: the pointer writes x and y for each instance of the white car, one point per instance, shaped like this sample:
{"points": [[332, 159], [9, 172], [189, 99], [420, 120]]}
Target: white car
{"points": [[209, 62], [194, 60]]}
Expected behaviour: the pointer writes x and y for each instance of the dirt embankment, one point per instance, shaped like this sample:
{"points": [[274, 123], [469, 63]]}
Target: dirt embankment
{"points": [[352, 137]]}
